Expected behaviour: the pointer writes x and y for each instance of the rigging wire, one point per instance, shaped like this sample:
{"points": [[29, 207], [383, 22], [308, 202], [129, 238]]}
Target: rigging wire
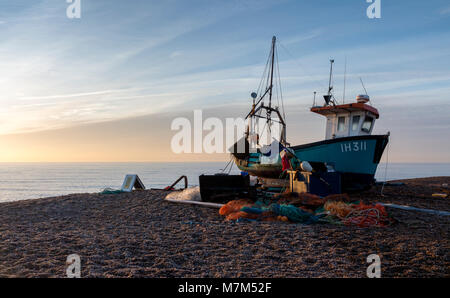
{"points": [[275, 85], [317, 82], [232, 164], [268, 75], [262, 77], [365, 90], [265, 123], [224, 169], [265, 77], [362, 83], [279, 83], [277, 95]]}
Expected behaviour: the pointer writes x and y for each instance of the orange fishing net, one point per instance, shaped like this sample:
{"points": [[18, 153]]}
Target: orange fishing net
{"points": [[241, 214], [311, 200], [234, 206], [300, 199], [379, 207], [232, 211], [338, 197], [283, 218]]}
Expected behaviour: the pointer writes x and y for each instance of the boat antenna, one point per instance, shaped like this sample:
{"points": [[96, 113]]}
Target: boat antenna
{"points": [[329, 95], [331, 74], [314, 100], [362, 83], [345, 79]]}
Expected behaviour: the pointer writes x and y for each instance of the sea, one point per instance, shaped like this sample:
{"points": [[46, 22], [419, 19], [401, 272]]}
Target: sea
{"points": [[22, 181]]}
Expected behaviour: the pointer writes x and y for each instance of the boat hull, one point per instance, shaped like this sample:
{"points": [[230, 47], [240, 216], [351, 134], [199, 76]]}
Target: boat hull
{"points": [[356, 158]]}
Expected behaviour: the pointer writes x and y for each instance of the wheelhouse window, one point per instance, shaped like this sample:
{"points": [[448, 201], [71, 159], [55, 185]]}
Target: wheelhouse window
{"points": [[341, 124], [355, 122], [367, 124]]}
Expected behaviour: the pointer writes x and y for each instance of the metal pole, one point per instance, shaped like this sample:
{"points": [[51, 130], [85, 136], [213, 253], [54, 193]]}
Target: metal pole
{"points": [[345, 79], [274, 39], [331, 73]]}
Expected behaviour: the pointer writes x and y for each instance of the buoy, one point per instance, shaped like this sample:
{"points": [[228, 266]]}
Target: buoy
{"points": [[306, 166]]}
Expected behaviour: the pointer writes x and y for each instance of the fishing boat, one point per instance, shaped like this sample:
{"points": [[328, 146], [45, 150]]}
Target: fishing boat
{"points": [[349, 148]]}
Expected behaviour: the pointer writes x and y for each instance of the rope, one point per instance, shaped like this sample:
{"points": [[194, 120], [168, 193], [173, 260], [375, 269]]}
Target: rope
{"points": [[263, 76], [339, 209], [231, 167], [365, 216], [281, 90], [223, 170]]}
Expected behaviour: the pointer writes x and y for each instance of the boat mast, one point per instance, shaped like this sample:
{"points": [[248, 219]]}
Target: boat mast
{"points": [[274, 39], [259, 105]]}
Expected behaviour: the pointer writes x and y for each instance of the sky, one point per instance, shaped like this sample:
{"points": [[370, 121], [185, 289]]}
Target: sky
{"points": [[106, 87]]}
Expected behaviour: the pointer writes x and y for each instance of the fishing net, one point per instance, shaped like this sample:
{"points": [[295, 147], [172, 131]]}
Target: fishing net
{"points": [[333, 212], [338, 197], [293, 213], [338, 209], [300, 199], [234, 206], [241, 214], [365, 216]]}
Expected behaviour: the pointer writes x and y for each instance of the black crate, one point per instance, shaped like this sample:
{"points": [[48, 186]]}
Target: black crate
{"points": [[323, 184], [223, 188]]}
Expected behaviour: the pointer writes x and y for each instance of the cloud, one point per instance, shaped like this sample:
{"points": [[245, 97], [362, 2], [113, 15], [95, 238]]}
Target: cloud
{"points": [[303, 37], [71, 95], [445, 11], [121, 61]]}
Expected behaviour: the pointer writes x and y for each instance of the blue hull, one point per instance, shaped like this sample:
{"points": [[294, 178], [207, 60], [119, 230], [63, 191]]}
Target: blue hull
{"points": [[358, 155], [356, 158]]}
